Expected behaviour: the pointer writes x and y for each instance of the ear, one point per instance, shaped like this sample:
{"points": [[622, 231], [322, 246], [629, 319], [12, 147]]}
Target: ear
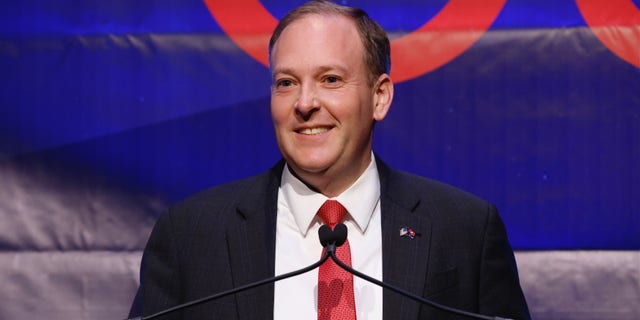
{"points": [[382, 97]]}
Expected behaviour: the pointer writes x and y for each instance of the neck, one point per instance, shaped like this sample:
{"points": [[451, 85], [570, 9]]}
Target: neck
{"points": [[332, 182]]}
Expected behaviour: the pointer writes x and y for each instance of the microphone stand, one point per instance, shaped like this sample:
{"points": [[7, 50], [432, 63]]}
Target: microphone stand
{"points": [[409, 294], [238, 289]]}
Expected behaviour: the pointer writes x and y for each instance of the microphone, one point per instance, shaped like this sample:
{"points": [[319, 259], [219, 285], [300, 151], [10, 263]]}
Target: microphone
{"points": [[329, 239], [339, 235], [335, 237]]}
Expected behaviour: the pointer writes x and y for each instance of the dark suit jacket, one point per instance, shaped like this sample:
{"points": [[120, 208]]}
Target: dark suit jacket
{"points": [[224, 237]]}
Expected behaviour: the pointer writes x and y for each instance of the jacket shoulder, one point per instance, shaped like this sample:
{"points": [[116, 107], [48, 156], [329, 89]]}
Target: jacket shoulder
{"points": [[404, 184], [221, 197]]}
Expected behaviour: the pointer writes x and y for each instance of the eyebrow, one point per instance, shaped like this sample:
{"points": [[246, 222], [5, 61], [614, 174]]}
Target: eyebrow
{"points": [[281, 70], [318, 70]]}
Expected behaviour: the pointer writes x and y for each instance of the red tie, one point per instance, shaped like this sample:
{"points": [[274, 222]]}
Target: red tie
{"points": [[335, 285]]}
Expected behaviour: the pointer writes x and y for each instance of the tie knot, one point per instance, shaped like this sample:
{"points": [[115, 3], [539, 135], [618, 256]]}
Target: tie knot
{"points": [[332, 213]]}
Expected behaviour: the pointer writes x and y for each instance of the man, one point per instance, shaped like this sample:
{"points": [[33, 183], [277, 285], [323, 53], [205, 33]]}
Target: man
{"points": [[331, 84]]}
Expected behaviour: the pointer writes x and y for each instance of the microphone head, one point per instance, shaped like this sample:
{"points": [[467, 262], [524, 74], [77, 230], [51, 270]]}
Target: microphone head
{"points": [[340, 234], [325, 234], [337, 236]]}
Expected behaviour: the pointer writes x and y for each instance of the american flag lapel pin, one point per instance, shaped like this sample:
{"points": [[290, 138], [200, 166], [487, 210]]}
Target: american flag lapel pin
{"points": [[407, 232]]}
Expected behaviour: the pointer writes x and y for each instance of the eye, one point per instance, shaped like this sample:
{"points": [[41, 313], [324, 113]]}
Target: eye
{"points": [[284, 83], [332, 80]]}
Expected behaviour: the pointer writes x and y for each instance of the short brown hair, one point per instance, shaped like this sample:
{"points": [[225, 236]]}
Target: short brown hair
{"points": [[374, 38]]}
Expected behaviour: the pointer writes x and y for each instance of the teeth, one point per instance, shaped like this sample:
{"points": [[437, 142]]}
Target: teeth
{"points": [[312, 131]]}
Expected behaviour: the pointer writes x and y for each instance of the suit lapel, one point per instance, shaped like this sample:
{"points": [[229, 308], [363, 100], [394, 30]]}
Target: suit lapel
{"points": [[405, 260], [251, 243]]}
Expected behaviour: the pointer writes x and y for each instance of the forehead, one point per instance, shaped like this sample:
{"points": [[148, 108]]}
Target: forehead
{"points": [[319, 37]]}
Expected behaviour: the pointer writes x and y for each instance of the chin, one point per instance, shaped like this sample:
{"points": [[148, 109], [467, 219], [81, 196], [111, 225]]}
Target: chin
{"points": [[312, 166]]}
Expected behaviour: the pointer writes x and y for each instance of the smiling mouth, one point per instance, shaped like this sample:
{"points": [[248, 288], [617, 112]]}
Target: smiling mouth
{"points": [[313, 131]]}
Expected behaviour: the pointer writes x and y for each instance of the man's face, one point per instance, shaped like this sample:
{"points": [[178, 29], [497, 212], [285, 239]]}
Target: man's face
{"points": [[322, 104]]}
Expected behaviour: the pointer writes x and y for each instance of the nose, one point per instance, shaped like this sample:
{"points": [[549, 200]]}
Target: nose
{"points": [[307, 102]]}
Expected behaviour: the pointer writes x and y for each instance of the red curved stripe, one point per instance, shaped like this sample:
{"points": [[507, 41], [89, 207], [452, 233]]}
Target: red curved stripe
{"points": [[616, 23], [452, 31], [248, 24]]}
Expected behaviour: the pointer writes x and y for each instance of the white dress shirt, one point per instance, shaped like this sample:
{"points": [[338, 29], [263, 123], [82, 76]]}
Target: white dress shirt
{"points": [[297, 244]]}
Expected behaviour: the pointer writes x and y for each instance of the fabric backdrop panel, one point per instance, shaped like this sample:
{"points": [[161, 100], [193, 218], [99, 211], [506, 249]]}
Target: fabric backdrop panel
{"points": [[111, 111], [154, 99]]}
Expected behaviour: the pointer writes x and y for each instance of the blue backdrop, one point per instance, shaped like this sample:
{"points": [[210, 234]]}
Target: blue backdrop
{"points": [[152, 98]]}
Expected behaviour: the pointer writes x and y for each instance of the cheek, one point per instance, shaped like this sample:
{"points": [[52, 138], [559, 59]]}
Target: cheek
{"points": [[278, 111]]}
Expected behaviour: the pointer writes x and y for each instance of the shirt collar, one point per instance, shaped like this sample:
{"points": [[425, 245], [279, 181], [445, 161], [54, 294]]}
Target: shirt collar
{"points": [[360, 199]]}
